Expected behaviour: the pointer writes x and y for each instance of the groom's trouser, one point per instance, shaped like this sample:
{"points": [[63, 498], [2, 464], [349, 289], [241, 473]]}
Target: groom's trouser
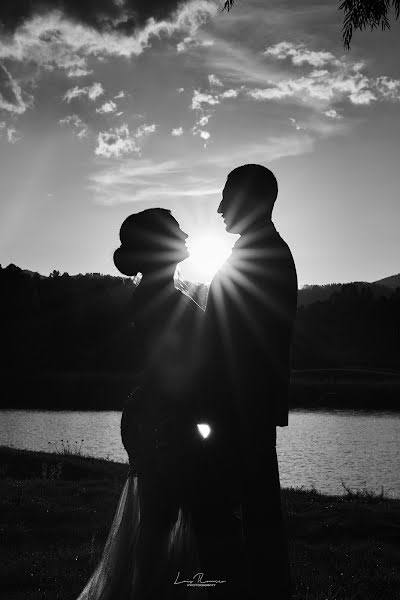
{"points": [[217, 529], [263, 527], [249, 553]]}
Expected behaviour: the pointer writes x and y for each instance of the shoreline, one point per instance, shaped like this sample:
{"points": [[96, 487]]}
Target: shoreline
{"points": [[57, 510]]}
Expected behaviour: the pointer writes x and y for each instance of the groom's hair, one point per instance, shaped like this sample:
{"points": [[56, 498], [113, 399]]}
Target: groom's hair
{"points": [[255, 183]]}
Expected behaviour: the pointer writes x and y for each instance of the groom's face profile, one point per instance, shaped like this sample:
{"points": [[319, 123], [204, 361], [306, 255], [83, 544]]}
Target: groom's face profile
{"points": [[247, 198], [232, 207]]}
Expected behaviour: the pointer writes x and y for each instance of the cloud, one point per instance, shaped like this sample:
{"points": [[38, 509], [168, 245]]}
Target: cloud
{"points": [[193, 42], [53, 38], [300, 55], [101, 15], [180, 90], [388, 88], [12, 135], [296, 125], [200, 98], [202, 133], [203, 120], [204, 102], [107, 107], [267, 150], [81, 134], [77, 124], [332, 114], [231, 93], [92, 92], [120, 94], [143, 130], [320, 88], [118, 141], [11, 95], [213, 80], [79, 72], [178, 131], [143, 180]]}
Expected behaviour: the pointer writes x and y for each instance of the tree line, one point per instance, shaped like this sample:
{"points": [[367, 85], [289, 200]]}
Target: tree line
{"points": [[68, 341]]}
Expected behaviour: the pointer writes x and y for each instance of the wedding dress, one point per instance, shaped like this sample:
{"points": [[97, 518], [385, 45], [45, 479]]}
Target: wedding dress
{"points": [[159, 435], [116, 575]]}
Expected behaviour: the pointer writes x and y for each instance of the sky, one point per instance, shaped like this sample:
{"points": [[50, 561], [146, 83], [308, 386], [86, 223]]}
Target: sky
{"points": [[114, 106]]}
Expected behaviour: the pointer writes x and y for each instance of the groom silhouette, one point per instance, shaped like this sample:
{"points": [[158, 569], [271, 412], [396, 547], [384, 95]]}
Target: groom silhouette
{"points": [[248, 331]]}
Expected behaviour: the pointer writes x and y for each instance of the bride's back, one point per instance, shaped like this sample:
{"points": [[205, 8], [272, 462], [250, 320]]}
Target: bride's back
{"points": [[157, 414], [158, 419]]}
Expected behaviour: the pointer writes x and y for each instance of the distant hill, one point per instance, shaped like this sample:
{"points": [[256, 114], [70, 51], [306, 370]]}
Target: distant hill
{"points": [[319, 293], [393, 281], [307, 295]]}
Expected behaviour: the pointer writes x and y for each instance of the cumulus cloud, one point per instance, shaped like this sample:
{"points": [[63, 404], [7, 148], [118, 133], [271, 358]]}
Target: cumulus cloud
{"points": [[52, 38], [12, 135], [295, 124], [205, 135], [322, 87], [202, 133], [107, 107], [231, 93], [118, 141], [79, 72], [143, 130], [319, 86], [332, 114], [204, 103], [11, 95], [79, 127], [200, 98], [178, 131], [299, 54], [193, 42], [123, 16], [120, 94], [203, 120], [92, 92], [213, 80], [388, 88]]}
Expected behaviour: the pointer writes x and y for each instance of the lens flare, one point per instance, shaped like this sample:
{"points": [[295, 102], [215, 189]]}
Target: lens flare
{"points": [[204, 429], [208, 252]]}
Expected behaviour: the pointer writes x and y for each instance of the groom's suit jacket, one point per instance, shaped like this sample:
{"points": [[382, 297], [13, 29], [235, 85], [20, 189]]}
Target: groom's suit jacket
{"points": [[248, 329]]}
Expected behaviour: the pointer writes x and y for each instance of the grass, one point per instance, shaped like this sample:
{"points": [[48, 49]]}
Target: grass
{"points": [[55, 518]]}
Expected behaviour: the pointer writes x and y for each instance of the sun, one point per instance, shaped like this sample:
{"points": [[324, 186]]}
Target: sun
{"points": [[208, 252]]}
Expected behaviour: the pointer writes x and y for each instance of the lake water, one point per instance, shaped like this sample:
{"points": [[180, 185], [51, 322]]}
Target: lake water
{"points": [[318, 449]]}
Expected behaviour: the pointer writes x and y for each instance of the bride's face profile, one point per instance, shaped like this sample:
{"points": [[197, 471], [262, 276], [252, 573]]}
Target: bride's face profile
{"points": [[151, 241], [175, 243]]}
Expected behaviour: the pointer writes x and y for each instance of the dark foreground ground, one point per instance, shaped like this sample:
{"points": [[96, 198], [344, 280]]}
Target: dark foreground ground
{"points": [[56, 511]]}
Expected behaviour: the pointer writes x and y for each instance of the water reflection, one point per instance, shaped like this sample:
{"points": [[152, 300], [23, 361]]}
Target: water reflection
{"points": [[318, 449]]}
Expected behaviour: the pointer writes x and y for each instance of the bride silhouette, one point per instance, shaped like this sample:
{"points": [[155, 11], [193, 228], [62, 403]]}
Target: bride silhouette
{"points": [[151, 540]]}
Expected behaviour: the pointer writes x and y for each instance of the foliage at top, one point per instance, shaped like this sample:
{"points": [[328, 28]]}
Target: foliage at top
{"points": [[359, 14]]}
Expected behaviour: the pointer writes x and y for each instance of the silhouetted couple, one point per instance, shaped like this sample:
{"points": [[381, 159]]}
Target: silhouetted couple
{"points": [[211, 505]]}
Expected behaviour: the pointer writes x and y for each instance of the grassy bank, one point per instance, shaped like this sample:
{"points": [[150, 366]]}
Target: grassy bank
{"points": [[56, 511]]}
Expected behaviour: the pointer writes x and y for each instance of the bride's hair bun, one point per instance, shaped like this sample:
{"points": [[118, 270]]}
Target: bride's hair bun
{"points": [[137, 243], [126, 262]]}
